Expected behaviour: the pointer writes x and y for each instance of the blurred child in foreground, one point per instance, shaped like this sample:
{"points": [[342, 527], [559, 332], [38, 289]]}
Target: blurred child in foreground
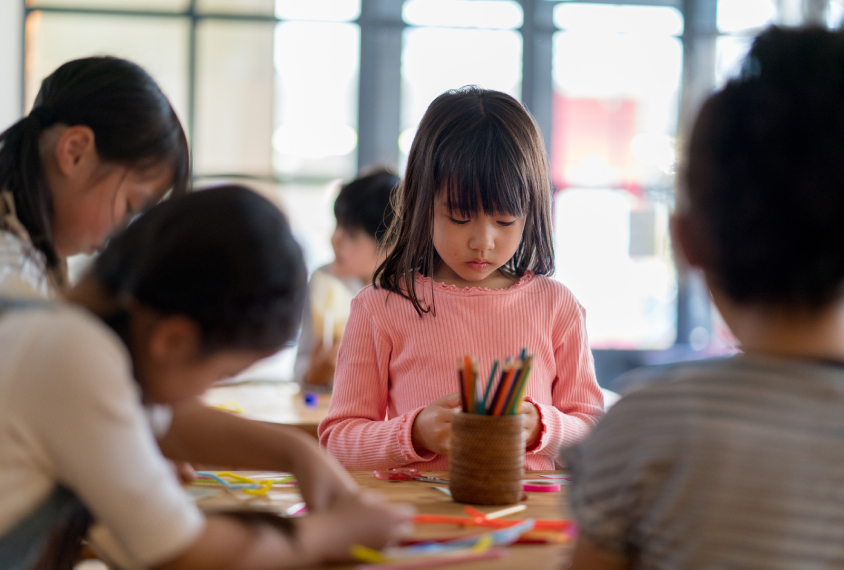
{"points": [[736, 463]]}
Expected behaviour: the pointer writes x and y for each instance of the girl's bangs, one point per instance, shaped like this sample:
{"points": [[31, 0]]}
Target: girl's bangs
{"points": [[478, 172]]}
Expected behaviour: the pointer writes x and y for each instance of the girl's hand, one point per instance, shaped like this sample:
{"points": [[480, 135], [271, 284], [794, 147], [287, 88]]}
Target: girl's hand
{"points": [[432, 427], [532, 424], [362, 518]]}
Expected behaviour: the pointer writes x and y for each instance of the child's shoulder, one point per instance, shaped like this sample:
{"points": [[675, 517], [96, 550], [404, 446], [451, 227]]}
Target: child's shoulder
{"points": [[378, 300], [551, 286], [371, 293], [741, 386], [554, 293], [60, 330]]}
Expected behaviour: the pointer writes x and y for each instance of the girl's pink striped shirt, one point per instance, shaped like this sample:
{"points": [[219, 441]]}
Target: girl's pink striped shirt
{"points": [[393, 363]]}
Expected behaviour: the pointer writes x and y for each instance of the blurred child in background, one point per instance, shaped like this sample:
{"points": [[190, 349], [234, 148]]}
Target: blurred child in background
{"points": [[363, 211]]}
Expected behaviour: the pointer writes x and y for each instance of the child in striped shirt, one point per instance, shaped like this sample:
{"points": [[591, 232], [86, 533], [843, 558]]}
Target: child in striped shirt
{"points": [[736, 463]]}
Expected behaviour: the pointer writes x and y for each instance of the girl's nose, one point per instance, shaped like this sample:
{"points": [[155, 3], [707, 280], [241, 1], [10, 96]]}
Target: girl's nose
{"points": [[483, 239]]}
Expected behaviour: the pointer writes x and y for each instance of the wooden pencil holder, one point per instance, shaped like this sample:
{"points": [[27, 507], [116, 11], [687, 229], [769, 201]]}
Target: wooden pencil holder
{"points": [[487, 460]]}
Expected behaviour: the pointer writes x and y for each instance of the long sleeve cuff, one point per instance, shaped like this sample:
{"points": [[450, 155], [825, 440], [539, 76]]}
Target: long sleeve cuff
{"points": [[551, 429], [405, 439]]}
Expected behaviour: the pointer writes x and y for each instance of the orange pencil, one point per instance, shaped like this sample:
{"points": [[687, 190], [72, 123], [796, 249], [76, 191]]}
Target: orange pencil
{"points": [[503, 391], [468, 384]]}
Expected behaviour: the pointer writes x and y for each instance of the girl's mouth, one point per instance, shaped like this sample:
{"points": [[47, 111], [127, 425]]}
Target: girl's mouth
{"points": [[478, 265]]}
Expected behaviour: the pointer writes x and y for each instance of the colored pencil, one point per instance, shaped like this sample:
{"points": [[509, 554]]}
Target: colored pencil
{"points": [[511, 388], [485, 400], [490, 406], [497, 398], [520, 386], [467, 383], [503, 391]]}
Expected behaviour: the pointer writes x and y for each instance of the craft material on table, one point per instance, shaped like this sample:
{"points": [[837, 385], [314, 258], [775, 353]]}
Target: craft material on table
{"points": [[428, 554], [246, 484], [473, 521], [300, 508], [538, 548], [541, 486], [229, 406], [472, 511], [405, 474], [478, 542], [311, 399], [562, 477], [435, 562]]}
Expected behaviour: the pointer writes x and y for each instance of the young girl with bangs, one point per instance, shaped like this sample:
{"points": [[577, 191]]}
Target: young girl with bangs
{"points": [[467, 273]]}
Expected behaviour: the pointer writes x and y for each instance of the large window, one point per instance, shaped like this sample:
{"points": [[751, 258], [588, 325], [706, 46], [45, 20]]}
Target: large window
{"points": [[452, 43], [297, 95], [617, 73]]}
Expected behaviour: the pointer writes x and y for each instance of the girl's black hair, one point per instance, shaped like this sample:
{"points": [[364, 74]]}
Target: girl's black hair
{"points": [[765, 173], [365, 203], [483, 152], [132, 121], [223, 257]]}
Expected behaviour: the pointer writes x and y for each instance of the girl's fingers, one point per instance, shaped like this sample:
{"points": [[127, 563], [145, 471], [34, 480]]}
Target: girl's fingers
{"points": [[448, 401]]}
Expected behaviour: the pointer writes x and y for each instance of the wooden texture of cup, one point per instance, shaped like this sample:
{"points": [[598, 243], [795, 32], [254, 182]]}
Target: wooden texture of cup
{"points": [[487, 460]]}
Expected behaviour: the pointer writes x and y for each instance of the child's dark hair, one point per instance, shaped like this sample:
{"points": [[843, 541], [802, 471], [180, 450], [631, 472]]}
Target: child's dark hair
{"points": [[765, 173], [481, 151], [132, 121], [223, 257], [365, 203]]}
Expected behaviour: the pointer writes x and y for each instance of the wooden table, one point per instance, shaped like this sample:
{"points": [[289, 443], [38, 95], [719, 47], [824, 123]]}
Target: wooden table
{"points": [[272, 402], [430, 501]]}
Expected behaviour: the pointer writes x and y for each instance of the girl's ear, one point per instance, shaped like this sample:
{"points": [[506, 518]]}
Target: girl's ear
{"points": [[175, 340], [75, 147]]}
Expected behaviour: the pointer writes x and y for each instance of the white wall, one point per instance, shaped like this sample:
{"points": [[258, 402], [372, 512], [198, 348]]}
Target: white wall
{"points": [[11, 59]]}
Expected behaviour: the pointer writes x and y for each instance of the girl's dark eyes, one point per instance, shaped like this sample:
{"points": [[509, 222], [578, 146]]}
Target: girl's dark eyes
{"points": [[506, 224], [459, 222]]}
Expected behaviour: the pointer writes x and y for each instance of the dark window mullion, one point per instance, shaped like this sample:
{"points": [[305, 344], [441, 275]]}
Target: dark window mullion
{"points": [[379, 83], [538, 64]]}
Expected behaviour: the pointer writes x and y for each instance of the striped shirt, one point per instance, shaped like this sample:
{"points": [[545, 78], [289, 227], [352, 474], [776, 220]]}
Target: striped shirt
{"points": [[393, 363], [735, 463]]}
